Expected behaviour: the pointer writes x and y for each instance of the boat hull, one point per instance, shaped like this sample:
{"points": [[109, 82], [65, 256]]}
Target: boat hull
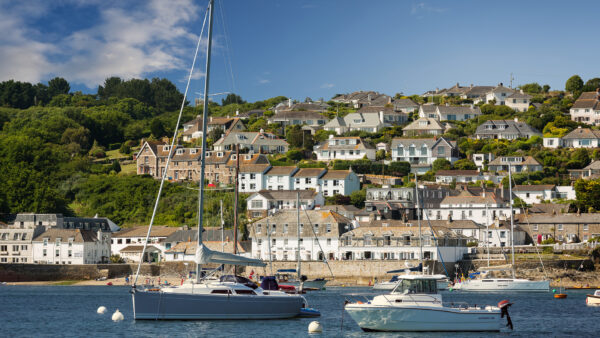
{"points": [[592, 300], [157, 305], [392, 318], [441, 285], [493, 285], [309, 284]]}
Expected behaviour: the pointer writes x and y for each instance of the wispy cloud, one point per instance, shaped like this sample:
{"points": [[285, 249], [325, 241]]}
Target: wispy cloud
{"points": [[420, 8], [264, 81], [122, 42], [327, 85]]}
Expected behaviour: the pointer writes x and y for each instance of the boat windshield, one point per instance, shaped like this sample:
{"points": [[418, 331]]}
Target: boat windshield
{"points": [[416, 286]]}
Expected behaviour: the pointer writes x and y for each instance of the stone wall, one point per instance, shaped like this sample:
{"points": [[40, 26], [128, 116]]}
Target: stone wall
{"points": [[54, 272]]}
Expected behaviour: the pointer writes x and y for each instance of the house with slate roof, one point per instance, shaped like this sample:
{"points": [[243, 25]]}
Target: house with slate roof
{"points": [[71, 246], [505, 129], [390, 115], [406, 106], [577, 138], [516, 163], [532, 194], [287, 118], [425, 126], [193, 129], [448, 112], [369, 122], [129, 243], [519, 101], [308, 178], [591, 171], [344, 148], [339, 182], [421, 153], [255, 142], [261, 202], [360, 99], [586, 108], [563, 227], [251, 177], [280, 178]]}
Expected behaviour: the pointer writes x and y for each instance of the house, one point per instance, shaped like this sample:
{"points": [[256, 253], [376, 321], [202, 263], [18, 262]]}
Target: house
{"points": [[531, 194], [448, 112], [389, 203], [457, 176], [519, 101], [307, 105], [498, 94], [186, 251], [308, 178], [517, 163], [339, 182], [482, 209], [421, 153], [261, 202], [425, 126], [347, 211], [467, 228], [476, 92], [251, 177], [16, 241], [591, 171], [360, 99], [577, 138], [406, 106], [71, 246], [152, 160], [380, 179], [505, 129], [193, 129], [256, 142], [220, 165], [280, 178], [395, 240], [369, 122], [129, 243], [482, 160], [570, 228], [390, 115], [586, 108], [287, 118], [61, 222], [344, 148], [277, 235]]}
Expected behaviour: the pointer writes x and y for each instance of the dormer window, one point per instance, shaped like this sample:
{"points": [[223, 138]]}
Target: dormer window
{"points": [[180, 151], [166, 148], [193, 151], [234, 157], [220, 154], [248, 157]]}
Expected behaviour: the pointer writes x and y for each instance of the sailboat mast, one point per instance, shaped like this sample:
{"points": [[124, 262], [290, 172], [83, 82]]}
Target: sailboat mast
{"points": [[222, 229], [298, 220], [204, 123], [512, 224], [235, 197], [487, 233], [419, 220]]}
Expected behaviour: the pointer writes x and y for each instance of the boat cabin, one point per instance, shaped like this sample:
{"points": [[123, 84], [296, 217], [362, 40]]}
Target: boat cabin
{"points": [[416, 284]]}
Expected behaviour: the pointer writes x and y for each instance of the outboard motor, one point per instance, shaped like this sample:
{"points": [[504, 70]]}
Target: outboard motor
{"points": [[269, 283], [504, 305]]}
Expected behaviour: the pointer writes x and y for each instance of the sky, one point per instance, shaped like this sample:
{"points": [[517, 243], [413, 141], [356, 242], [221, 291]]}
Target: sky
{"points": [[301, 48]]}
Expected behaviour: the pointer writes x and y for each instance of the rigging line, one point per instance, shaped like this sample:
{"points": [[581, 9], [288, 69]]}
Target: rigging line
{"points": [[537, 251], [318, 242], [228, 49], [164, 176], [436, 244]]}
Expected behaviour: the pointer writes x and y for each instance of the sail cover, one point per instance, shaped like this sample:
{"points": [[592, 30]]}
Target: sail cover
{"points": [[205, 255]]}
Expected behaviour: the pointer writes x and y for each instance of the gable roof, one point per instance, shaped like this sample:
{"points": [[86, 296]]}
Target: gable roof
{"points": [[582, 133], [254, 168], [510, 127], [281, 170], [367, 120], [404, 103], [288, 194], [336, 174], [79, 236], [309, 172], [418, 142], [589, 100], [432, 124], [539, 187], [141, 231], [443, 109]]}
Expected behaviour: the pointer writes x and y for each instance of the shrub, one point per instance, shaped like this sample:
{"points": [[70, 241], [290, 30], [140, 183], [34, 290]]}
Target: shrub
{"points": [[549, 241], [471, 244]]}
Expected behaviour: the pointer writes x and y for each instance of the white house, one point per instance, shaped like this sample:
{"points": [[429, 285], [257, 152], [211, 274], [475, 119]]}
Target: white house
{"points": [[280, 178], [252, 177], [421, 153], [577, 138], [186, 251], [532, 194], [586, 108], [481, 160], [260, 203], [308, 178], [71, 246], [369, 122], [344, 148], [457, 176], [320, 231], [480, 209], [339, 182], [518, 101], [499, 94], [128, 243], [448, 112]]}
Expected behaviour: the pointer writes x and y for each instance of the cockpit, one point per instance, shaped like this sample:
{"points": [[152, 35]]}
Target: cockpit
{"points": [[416, 286]]}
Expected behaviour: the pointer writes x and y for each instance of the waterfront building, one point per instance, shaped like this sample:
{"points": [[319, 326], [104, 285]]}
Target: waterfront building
{"points": [[562, 227], [186, 251], [16, 241], [129, 242], [63, 222], [263, 201], [72, 246]]}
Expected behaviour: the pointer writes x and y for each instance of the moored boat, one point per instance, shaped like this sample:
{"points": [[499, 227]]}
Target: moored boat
{"points": [[593, 300]]}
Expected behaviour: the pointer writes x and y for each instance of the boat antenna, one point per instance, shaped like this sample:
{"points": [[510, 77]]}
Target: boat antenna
{"points": [[165, 173], [204, 123], [512, 224], [419, 220]]}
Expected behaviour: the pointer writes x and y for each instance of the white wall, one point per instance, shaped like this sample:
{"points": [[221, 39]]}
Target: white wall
{"points": [[278, 182], [251, 182]]}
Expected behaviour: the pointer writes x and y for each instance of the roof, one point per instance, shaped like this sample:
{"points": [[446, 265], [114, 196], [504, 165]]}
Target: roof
{"points": [[189, 248], [526, 160], [287, 194], [404, 103], [336, 122], [593, 166], [500, 88], [457, 173], [540, 187], [431, 124], [360, 144], [582, 133], [430, 142], [476, 91], [342, 207], [139, 248], [141, 231], [443, 109], [254, 168], [461, 199], [368, 120], [428, 108], [589, 100], [453, 224], [281, 170], [560, 218], [79, 236], [309, 172], [298, 115], [509, 127], [519, 95], [307, 217], [376, 109], [336, 174]]}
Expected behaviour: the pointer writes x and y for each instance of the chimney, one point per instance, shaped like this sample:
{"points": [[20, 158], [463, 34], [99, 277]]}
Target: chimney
{"points": [[437, 90], [522, 91], [471, 85], [381, 116], [457, 85], [210, 119], [389, 100], [369, 98], [290, 102]]}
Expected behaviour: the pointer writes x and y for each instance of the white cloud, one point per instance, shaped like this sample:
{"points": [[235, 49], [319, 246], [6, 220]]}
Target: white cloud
{"points": [[154, 36], [327, 85], [264, 81], [421, 7]]}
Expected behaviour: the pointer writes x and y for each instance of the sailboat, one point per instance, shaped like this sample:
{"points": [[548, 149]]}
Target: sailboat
{"points": [[416, 305], [229, 298], [504, 284]]}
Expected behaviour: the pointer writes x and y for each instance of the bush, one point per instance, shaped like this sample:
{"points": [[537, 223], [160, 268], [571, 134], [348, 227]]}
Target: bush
{"points": [[548, 250], [471, 244], [116, 259], [114, 146], [549, 241], [125, 149], [98, 153]]}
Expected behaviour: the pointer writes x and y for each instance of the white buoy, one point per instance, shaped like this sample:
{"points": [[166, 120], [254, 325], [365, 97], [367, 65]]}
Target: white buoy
{"points": [[117, 316], [101, 310], [315, 327]]}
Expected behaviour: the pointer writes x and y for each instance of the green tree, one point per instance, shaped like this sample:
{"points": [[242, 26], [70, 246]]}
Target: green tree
{"points": [[294, 155], [546, 88], [441, 164], [110, 88], [232, 98], [215, 134], [380, 155], [157, 128], [532, 88], [358, 197], [58, 86], [464, 164], [115, 166], [574, 84], [591, 85]]}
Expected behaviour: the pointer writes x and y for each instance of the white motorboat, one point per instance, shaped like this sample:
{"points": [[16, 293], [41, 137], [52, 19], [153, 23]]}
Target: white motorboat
{"points": [[416, 305], [593, 300], [442, 283]]}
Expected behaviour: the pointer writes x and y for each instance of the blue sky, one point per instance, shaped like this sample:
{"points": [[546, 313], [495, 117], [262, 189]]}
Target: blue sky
{"points": [[265, 48]]}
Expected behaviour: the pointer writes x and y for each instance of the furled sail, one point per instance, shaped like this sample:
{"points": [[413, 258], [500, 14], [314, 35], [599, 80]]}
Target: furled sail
{"points": [[205, 255]]}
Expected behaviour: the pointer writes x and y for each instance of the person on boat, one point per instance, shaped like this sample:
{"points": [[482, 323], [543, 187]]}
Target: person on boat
{"points": [[126, 280]]}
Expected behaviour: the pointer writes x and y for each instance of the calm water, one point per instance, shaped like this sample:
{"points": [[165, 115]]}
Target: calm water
{"points": [[35, 311]]}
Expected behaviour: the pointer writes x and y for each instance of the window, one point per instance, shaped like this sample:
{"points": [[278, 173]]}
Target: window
{"points": [[586, 227], [502, 234], [70, 253], [57, 253], [441, 151], [301, 227], [328, 241], [560, 227], [285, 229], [44, 253], [400, 151], [535, 227], [3, 248], [285, 241], [328, 226], [257, 204], [316, 228], [252, 176], [252, 186], [15, 248], [274, 242], [258, 228], [23, 247], [368, 239]]}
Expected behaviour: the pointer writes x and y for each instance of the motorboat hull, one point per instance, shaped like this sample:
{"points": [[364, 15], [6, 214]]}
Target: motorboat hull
{"points": [[393, 318], [441, 285], [158, 305], [592, 300], [494, 285]]}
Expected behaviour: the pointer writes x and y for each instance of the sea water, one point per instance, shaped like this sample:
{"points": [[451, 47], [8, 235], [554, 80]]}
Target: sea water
{"points": [[70, 311]]}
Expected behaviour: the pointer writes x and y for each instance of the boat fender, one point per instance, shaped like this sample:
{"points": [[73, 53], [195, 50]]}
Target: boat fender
{"points": [[359, 302], [101, 310], [504, 305], [315, 327], [117, 316]]}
